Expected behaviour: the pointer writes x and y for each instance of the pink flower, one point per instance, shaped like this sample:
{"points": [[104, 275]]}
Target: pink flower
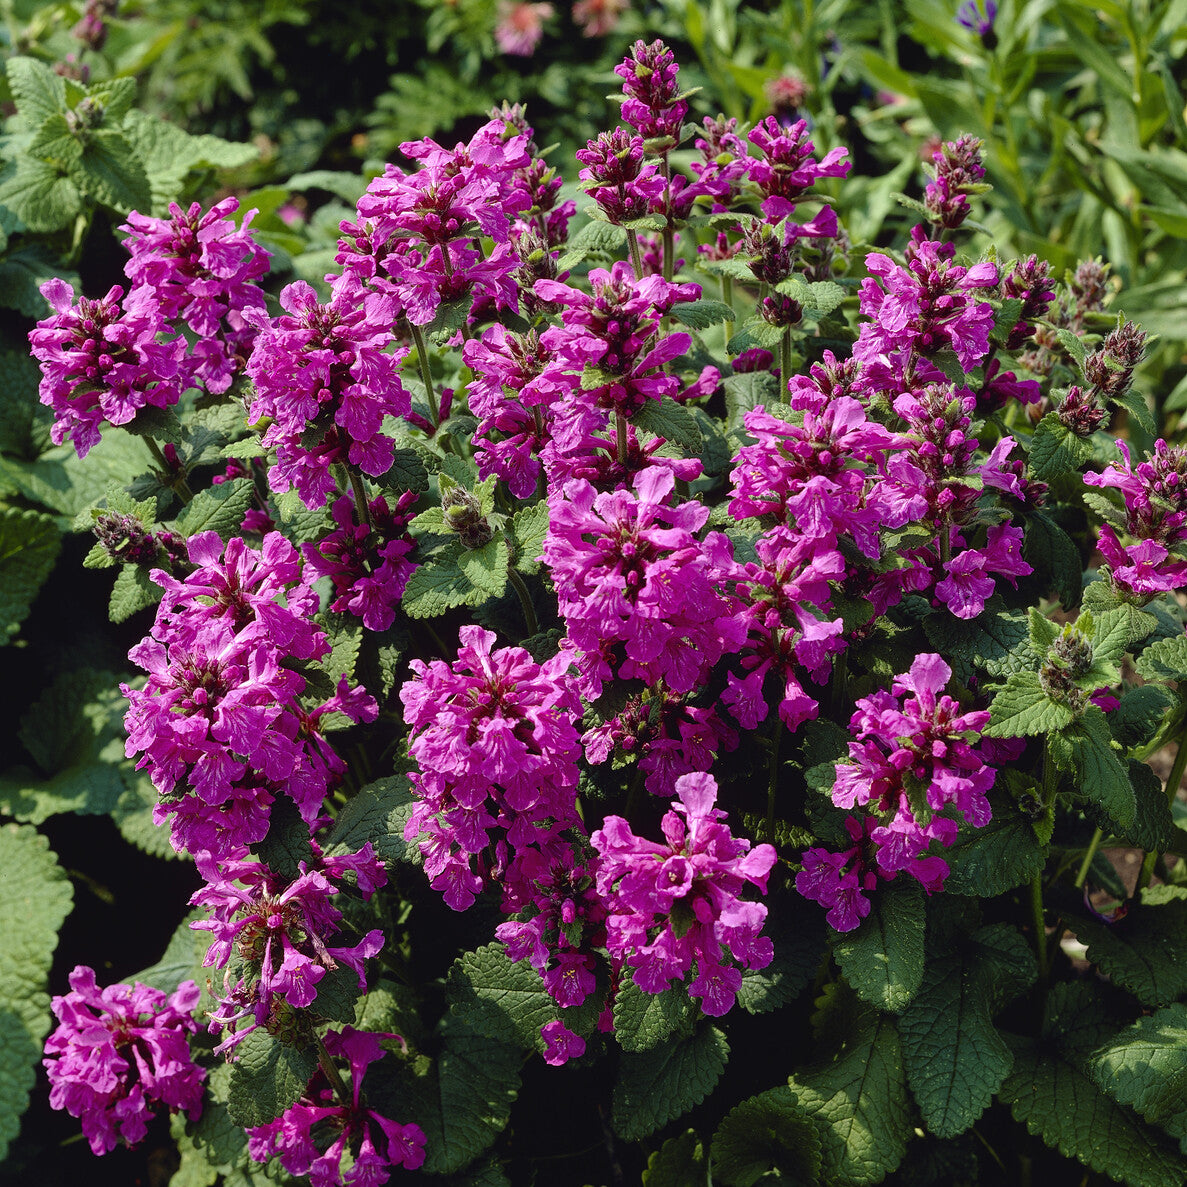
{"points": [[520, 27], [118, 1050], [561, 1043]]}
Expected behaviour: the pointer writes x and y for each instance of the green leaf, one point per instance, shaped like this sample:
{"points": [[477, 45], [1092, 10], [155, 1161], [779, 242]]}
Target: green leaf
{"points": [[43, 198], [1145, 1067], [217, 509], [377, 813], [955, 1058], [1021, 707], [22, 429], [86, 788], [182, 961], [1048, 549], [679, 1162], [857, 1098], [671, 421], [746, 391], [1053, 1093], [644, 1020], [985, 862], [528, 527], [883, 958], [267, 1077], [111, 173], [134, 590], [700, 315], [1096, 767], [767, 1133], [595, 238], [485, 568], [221, 1142], [407, 472], [38, 91], [1165, 659], [799, 946], [1143, 952], [1153, 826], [35, 898], [463, 1099], [440, 584], [657, 1086], [993, 641], [29, 545], [132, 814], [1055, 451], [1142, 710], [55, 143]]}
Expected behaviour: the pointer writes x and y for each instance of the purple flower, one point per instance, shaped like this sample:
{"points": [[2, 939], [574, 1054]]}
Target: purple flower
{"points": [[616, 177], [103, 363], [200, 268], [495, 740], [677, 903], [117, 1051], [561, 1043], [787, 168], [653, 105], [840, 881], [278, 929], [374, 1151], [977, 16]]}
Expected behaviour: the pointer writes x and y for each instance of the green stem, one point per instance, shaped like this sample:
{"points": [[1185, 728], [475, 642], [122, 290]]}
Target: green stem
{"points": [[727, 297], [772, 780], [1089, 854], [331, 1073], [1172, 790], [1040, 926], [621, 437], [360, 498], [632, 239], [426, 373], [178, 485], [785, 358], [525, 602]]}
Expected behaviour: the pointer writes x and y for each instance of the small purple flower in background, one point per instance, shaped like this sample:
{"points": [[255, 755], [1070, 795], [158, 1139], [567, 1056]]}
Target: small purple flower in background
{"points": [[677, 903], [290, 1138], [978, 17], [119, 1050], [103, 363], [596, 18], [520, 27]]}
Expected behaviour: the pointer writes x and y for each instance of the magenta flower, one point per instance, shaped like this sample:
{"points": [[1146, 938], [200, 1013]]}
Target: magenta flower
{"points": [[677, 903], [374, 1152], [520, 26], [495, 741], [201, 269], [630, 569], [841, 881], [617, 179], [103, 363], [561, 1043], [119, 1050], [787, 168], [278, 930], [653, 105]]}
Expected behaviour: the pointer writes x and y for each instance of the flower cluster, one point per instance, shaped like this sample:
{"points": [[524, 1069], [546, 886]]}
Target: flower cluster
{"points": [[117, 1051], [290, 1138], [677, 903], [495, 742], [219, 723], [915, 771], [277, 929]]}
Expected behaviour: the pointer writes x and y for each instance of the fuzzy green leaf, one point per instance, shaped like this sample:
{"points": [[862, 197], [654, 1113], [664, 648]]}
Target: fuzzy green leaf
{"points": [[1053, 1093], [440, 584], [671, 421], [29, 545], [657, 1086], [746, 391], [134, 590], [1144, 951], [858, 1098], [1164, 659], [992, 641], [182, 961], [1055, 451], [985, 862], [679, 1162], [42, 197], [767, 1134], [267, 1077], [1021, 707], [644, 1020], [526, 532], [111, 173], [1097, 769], [377, 813], [35, 898], [1051, 552], [955, 1058], [486, 567], [1145, 1066], [38, 91], [407, 472], [883, 958], [217, 509], [463, 1099], [700, 315], [799, 946]]}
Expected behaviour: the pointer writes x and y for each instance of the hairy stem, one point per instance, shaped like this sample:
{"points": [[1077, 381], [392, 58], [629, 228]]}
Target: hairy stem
{"points": [[632, 239], [785, 358], [178, 484], [1172, 789], [1040, 926], [525, 602], [360, 497], [773, 780], [331, 1073], [621, 437], [1089, 854], [426, 373]]}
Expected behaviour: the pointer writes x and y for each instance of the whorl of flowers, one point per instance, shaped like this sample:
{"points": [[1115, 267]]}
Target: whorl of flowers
{"points": [[103, 363], [200, 268], [374, 1142], [118, 1051], [652, 106], [276, 929], [677, 903], [915, 770], [326, 376], [219, 723], [786, 168], [494, 737]]}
